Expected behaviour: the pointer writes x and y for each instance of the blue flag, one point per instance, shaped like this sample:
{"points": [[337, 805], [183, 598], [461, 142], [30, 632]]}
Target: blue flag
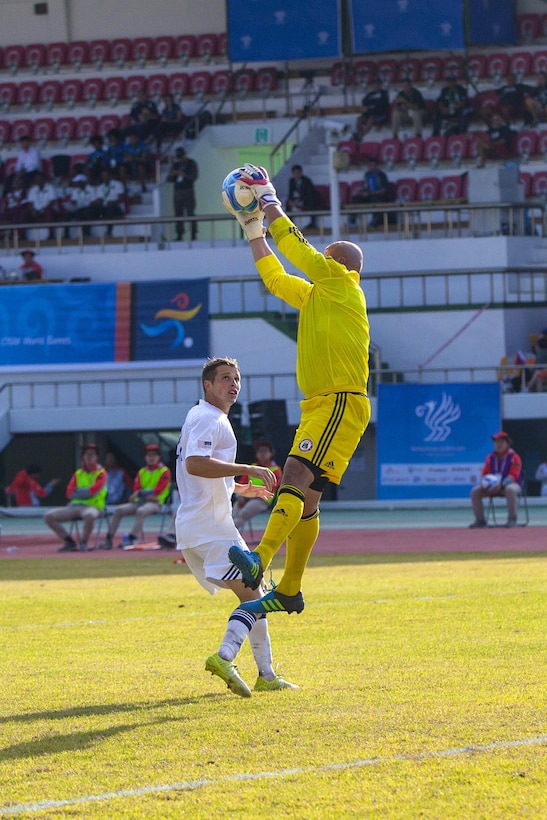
{"points": [[401, 25]]}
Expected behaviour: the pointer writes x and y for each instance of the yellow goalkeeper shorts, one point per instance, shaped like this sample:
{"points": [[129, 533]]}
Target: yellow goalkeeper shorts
{"points": [[330, 430]]}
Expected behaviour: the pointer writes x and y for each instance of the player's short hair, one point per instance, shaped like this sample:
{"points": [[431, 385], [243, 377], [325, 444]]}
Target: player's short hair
{"points": [[211, 365]]}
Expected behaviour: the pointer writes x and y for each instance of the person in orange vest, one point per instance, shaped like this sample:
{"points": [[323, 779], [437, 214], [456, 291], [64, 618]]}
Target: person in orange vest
{"points": [[150, 490], [86, 492]]}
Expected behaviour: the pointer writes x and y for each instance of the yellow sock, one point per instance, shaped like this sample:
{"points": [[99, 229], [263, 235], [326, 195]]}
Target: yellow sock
{"points": [[299, 546], [283, 519]]}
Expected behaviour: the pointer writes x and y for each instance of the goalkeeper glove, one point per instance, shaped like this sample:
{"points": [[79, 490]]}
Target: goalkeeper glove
{"points": [[251, 224], [259, 182]]}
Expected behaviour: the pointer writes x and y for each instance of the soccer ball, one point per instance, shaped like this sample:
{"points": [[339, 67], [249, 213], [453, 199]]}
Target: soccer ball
{"points": [[236, 195], [490, 481]]}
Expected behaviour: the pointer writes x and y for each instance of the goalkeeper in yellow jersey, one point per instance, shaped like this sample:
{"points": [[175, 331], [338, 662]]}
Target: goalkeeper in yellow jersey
{"points": [[332, 373]]}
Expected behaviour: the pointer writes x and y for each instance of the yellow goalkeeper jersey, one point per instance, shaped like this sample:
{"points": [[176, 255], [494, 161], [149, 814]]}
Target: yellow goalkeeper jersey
{"points": [[333, 331]]}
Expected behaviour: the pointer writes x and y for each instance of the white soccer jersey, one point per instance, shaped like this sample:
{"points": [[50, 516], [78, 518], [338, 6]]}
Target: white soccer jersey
{"points": [[205, 511]]}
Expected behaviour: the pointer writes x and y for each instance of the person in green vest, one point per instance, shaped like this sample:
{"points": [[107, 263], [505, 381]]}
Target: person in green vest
{"points": [[150, 490], [86, 492]]}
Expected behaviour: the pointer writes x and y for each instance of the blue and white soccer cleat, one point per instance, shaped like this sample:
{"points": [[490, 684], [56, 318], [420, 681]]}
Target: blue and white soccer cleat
{"points": [[249, 564], [275, 601]]}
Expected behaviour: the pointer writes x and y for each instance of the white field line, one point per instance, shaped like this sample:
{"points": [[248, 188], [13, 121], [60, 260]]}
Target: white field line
{"points": [[200, 613], [190, 785]]}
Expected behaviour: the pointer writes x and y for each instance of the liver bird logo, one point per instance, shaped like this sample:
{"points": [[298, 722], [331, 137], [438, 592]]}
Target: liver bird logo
{"points": [[439, 416]]}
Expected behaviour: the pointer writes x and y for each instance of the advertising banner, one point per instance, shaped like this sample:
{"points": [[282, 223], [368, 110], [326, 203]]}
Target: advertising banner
{"points": [[492, 22], [433, 439]]}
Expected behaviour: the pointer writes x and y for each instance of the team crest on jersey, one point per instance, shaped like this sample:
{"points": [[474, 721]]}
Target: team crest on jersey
{"points": [[305, 445]]}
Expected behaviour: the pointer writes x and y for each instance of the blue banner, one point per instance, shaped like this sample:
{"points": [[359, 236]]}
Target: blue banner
{"points": [[492, 22], [57, 324], [261, 30], [170, 320], [433, 439], [401, 25]]}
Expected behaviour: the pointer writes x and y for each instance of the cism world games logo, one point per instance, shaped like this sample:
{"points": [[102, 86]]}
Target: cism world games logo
{"points": [[439, 416], [173, 320]]}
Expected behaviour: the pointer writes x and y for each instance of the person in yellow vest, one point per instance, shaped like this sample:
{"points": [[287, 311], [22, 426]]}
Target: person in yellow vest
{"points": [[150, 490], [86, 492]]}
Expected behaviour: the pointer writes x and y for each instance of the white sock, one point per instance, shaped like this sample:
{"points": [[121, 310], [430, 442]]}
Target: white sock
{"points": [[240, 624], [259, 638]]}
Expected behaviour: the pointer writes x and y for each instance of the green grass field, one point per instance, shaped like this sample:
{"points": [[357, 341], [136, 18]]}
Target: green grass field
{"points": [[423, 693]]}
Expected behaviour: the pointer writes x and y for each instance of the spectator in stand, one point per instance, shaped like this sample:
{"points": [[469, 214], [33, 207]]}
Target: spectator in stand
{"points": [[506, 465], [43, 201], [303, 195], [31, 270], [114, 154], [136, 159], [183, 173], [97, 160], [497, 142], [452, 108], [109, 202], [535, 102], [26, 489], [541, 475], [511, 99], [535, 385], [150, 490], [171, 121], [376, 188], [144, 116], [86, 492], [375, 110], [118, 480], [28, 160], [245, 508], [78, 202], [16, 202], [408, 109]]}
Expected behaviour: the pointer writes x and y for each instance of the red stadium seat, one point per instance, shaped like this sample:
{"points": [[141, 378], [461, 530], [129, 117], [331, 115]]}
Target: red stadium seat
{"points": [[77, 159], [525, 145], [539, 184], [364, 72], [49, 93], [86, 127], [368, 150], [221, 83], [5, 132], [343, 187], [520, 64], [266, 80], [409, 68], [388, 70], [457, 147], [431, 70], [351, 148], [341, 75], [485, 104], [156, 86], [497, 65], [142, 49], [162, 49], [64, 130], [27, 93], [133, 84], [114, 89], [427, 189], [528, 27], [390, 151], [56, 55], [355, 188], [541, 144], [77, 53], [476, 67], [244, 82], [412, 150], [8, 95], [107, 123], [434, 150], [200, 84], [14, 58], [451, 187], [539, 62], [184, 48], [453, 66], [20, 128], [99, 52], [542, 27], [42, 130], [71, 91], [35, 56], [222, 44], [324, 193], [177, 85], [525, 180], [120, 51], [206, 46], [9, 166], [92, 91], [405, 190]]}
